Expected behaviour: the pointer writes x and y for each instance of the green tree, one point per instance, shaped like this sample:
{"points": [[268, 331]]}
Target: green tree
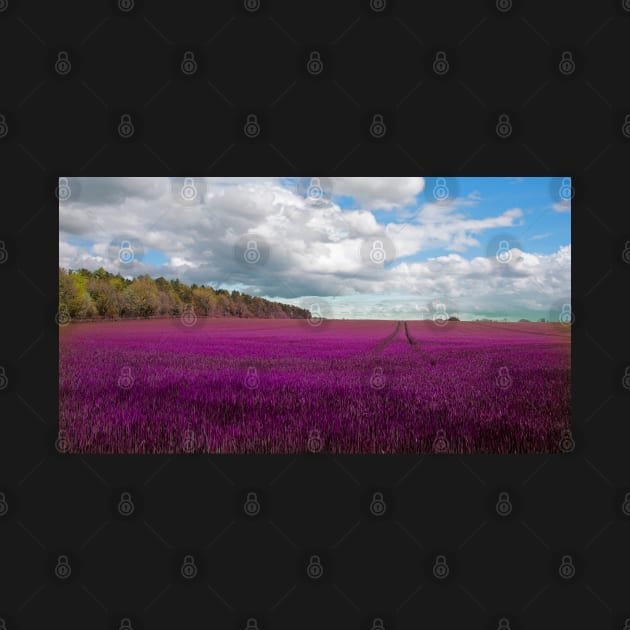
{"points": [[99, 293]]}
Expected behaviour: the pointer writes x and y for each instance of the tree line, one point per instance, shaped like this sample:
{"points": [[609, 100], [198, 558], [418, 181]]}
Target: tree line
{"points": [[85, 294]]}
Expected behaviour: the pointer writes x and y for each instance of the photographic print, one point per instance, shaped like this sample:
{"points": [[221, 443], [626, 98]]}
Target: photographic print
{"points": [[358, 315]]}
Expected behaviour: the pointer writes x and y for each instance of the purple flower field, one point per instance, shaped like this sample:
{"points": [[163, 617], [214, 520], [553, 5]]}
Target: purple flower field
{"points": [[284, 386]]}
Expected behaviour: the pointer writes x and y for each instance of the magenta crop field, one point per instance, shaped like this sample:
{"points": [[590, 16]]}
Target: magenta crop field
{"points": [[283, 386]]}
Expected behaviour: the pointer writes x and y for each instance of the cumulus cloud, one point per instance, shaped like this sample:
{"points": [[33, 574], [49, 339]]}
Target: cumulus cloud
{"points": [[457, 276], [379, 192]]}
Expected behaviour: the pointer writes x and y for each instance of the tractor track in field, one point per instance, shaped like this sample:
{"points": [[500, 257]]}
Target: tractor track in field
{"points": [[410, 339], [381, 345]]}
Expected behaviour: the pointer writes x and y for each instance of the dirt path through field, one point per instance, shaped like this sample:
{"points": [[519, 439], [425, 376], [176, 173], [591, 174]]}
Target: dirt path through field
{"points": [[410, 339], [381, 345]]}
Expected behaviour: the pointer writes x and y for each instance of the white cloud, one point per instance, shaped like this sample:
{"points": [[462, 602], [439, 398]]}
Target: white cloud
{"points": [[484, 284], [384, 193], [563, 205], [440, 225]]}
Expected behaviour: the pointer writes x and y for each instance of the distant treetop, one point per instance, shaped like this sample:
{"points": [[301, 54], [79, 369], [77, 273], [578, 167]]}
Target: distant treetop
{"points": [[93, 294]]}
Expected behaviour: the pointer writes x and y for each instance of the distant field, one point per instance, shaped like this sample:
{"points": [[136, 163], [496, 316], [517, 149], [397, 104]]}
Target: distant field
{"points": [[285, 386]]}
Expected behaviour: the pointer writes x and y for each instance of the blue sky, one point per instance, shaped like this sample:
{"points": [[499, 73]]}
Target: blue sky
{"points": [[543, 229], [439, 239]]}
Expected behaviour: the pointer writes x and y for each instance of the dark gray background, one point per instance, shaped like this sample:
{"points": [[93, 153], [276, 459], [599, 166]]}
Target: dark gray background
{"points": [[374, 62]]}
